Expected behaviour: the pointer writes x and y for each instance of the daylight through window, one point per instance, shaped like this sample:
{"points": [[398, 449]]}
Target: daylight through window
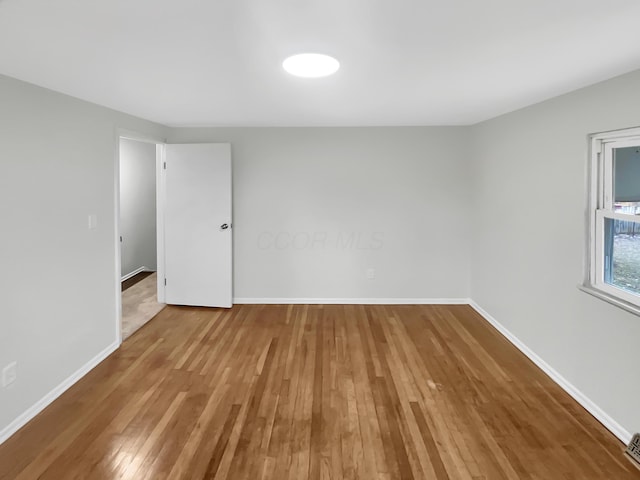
{"points": [[615, 215]]}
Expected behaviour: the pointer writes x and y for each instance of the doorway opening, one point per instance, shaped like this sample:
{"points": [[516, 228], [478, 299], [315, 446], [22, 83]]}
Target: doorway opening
{"points": [[137, 220], [193, 241]]}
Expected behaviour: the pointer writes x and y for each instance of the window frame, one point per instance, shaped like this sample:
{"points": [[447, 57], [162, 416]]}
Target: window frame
{"points": [[601, 206]]}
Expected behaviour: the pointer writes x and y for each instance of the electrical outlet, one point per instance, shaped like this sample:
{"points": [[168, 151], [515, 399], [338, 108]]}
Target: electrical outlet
{"points": [[371, 273], [9, 374]]}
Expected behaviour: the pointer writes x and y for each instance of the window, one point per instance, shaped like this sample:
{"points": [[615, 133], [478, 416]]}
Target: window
{"points": [[614, 269]]}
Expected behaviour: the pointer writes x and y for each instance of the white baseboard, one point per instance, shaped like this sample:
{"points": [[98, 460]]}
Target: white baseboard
{"points": [[351, 301], [135, 272], [44, 402], [600, 415]]}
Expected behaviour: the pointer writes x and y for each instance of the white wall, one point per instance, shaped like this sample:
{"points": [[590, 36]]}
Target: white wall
{"points": [[315, 208], [58, 279], [529, 170], [138, 205]]}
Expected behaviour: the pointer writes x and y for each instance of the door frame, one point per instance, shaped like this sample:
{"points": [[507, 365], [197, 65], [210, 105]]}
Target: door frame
{"points": [[122, 133]]}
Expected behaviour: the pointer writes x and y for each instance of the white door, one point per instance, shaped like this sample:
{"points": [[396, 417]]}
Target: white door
{"points": [[197, 225]]}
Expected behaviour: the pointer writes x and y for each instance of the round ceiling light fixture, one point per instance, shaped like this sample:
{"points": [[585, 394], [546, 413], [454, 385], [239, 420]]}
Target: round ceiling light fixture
{"points": [[311, 65]]}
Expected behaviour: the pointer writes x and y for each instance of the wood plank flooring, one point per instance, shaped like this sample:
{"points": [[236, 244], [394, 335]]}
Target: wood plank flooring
{"points": [[138, 277], [315, 392]]}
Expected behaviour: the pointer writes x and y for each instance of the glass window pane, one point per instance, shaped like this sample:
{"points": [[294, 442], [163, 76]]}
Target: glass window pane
{"points": [[622, 254], [627, 180]]}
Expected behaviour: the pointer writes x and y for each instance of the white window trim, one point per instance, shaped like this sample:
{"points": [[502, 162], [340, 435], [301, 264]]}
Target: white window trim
{"points": [[600, 206]]}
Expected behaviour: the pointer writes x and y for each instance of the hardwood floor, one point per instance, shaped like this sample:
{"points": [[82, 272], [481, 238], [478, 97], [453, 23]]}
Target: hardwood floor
{"points": [[331, 392], [138, 277]]}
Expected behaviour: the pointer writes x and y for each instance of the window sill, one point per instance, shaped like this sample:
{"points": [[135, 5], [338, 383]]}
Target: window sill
{"points": [[613, 300]]}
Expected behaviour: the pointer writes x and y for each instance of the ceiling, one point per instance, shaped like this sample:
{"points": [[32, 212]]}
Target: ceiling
{"points": [[403, 62]]}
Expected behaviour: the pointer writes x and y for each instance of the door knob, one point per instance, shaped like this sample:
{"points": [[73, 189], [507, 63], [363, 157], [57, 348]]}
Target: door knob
{"points": [[224, 226]]}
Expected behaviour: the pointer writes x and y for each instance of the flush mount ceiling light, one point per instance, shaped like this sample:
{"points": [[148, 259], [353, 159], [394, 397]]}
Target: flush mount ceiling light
{"points": [[311, 65]]}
